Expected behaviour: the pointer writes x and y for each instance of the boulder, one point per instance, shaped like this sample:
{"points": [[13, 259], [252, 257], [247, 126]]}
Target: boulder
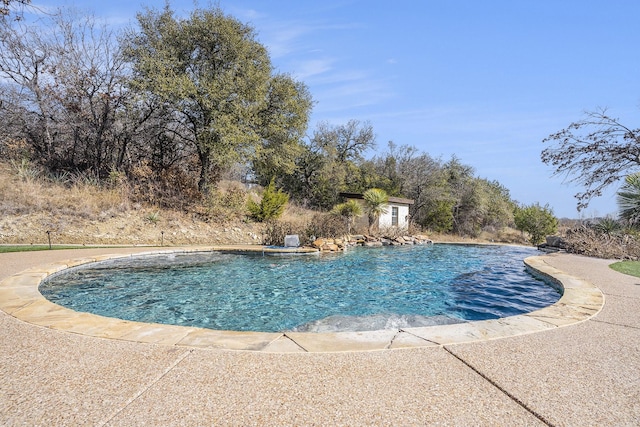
{"points": [[556, 242], [331, 247]]}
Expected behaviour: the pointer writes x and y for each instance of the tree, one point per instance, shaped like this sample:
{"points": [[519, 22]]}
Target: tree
{"points": [[64, 90], [438, 215], [283, 123], [499, 212], [470, 202], [629, 199], [346, 142], [536, 220], [349, 211], [375, 201], [330, 163], [271, 206], [215, 78], [594, 152], [5, 6]]}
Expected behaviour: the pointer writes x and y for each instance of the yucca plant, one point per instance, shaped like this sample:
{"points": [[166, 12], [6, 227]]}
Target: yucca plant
{"points": [[153, 217], [629, 199], [349, 211], [608, 226], [375, 201]]}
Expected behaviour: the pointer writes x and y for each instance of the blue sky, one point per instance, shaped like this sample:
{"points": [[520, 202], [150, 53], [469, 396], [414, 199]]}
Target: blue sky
{"points": [[485, 81]]}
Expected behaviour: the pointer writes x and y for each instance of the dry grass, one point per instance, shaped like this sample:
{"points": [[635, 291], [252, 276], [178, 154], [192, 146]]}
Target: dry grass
{"points": [[78, 211], [28, 194]]}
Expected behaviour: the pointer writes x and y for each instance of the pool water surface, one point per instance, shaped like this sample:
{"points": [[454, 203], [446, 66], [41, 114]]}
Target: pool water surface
{"points": [[361, 289]]}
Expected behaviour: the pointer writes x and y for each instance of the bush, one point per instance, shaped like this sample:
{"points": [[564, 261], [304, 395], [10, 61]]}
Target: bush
{"points": [[271, 206], [325, 225], [227, 202], [348, 211], [537, 221], [275, 231]]}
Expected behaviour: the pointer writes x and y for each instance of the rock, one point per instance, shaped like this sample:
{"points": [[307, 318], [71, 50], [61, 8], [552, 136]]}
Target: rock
{"points": [[318, 243], [553, 244], [556, 242]]}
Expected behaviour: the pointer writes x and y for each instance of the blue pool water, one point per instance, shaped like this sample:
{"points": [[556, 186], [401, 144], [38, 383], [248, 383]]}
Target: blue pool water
{"points": [[362, 289]]}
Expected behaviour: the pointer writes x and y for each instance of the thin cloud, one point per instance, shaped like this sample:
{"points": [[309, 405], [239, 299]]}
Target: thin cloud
{"points": [[313, 67]]}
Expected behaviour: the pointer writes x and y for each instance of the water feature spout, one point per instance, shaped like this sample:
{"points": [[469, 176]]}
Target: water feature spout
{"points": [[291, 241]]}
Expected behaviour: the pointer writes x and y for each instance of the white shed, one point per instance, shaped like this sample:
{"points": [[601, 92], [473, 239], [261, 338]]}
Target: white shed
{"points": [[397, 212]]}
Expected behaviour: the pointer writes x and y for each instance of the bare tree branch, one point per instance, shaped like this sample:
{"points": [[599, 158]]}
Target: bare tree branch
{"points": [[594, 152]]}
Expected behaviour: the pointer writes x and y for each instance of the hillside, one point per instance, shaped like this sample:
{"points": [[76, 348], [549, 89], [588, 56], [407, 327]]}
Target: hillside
{"points": [[83, 213]]}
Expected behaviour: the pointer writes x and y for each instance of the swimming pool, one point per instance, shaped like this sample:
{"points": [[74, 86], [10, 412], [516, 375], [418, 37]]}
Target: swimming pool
{"points": [[362, 289]]}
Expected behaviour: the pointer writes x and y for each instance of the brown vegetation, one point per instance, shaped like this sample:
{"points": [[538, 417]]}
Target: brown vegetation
{"points": [[81, 212], [589, 241], [78, 210]]}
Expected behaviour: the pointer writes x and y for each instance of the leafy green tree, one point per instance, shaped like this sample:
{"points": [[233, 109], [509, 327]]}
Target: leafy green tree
{"points": [[469, 205], [375, 201], [396, 169], [271, 206], [438, 216], [499, 212], [349, 211], [331, 162], [216, 80], [538, 221], [629, 199], [283, 123]]}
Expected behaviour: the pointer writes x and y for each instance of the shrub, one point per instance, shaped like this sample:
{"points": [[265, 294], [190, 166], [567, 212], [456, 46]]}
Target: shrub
{"points": [[325, 225], [439, 216], [275, 231], [348, 210], [537, 221], [271, 206], [629, 199], [608, 225], [26, 171], [227, 202]]}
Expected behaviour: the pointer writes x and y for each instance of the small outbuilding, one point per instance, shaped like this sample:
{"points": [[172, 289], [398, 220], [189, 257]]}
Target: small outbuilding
{"points": [[396, 216]]}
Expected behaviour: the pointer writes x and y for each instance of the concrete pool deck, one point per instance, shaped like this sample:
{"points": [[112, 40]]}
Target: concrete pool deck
{"points": [[582, 368]]}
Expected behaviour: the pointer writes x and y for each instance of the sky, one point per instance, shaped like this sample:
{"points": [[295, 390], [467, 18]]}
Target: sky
{"points": [[485, 81]]}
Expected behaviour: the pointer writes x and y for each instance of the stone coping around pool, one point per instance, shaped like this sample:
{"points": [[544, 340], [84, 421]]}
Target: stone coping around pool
{"points": [[20, 297]]}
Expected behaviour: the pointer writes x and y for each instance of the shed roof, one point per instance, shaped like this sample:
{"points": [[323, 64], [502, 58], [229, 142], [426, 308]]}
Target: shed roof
{"points": [[396, 200]]}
